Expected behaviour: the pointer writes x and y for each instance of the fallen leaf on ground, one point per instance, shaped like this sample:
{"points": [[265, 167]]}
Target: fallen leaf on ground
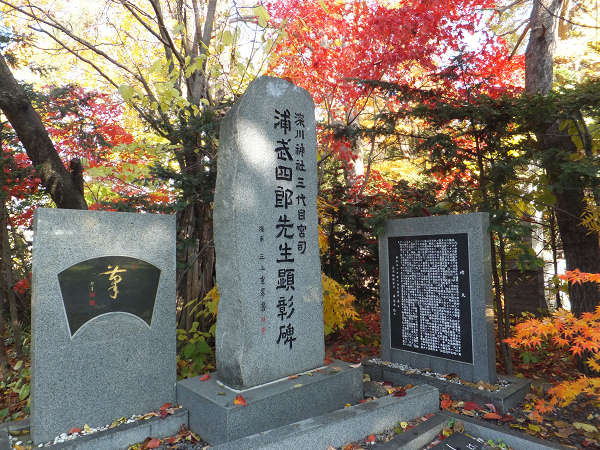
{"points": [[75, 430], [585, 427], [492, 416], [470, 406], [400, 393], [151, 443], [292, 377], [491, 407], [165, 406], [371, 439], [239, 400], [445, 401], [205, 377]]}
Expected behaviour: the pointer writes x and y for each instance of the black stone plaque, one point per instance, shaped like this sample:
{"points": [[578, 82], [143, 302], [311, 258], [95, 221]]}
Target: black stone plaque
{"points": [[460, 441], [430, 308], [108, 284]]}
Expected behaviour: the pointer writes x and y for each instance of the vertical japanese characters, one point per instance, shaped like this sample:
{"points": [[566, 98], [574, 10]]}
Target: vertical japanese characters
{"points": [[290, 226]]}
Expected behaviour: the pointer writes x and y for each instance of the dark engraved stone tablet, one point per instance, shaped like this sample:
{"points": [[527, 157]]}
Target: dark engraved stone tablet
{"points": [[430, 307], [460, 441], [108, 284]]}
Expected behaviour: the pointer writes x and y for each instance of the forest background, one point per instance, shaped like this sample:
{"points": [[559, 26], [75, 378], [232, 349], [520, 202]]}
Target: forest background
{"points": [[423, 108]]}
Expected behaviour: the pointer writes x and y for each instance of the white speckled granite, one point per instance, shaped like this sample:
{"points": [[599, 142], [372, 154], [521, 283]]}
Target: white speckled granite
{"points": [[483, 366], [116, 365], [247, 209]]}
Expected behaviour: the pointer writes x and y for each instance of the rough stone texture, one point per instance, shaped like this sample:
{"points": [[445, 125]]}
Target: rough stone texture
{"points": [[374, 389], [425, 432], [116, 365], [343, 425], [216, 419], [503, 399], [482, 314], [247, 351]]}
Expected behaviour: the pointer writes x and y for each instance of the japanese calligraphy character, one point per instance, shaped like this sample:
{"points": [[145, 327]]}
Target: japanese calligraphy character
{"points": [[299, 134], [302, 247], [283, 173], [283, 198], [301, 198], [262, 292], [300, 165], [300, 183], [283, 151], [261, 229], [300, 149], [299, 120], [301, 230], [285, 253], [286, 333], [115, 279], [283, 308], [285, 279], [283, 224], [263, 306], [301, 214], [282, 120]]}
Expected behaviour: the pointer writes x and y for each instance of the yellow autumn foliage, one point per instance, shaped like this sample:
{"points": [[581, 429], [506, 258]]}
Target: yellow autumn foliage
{"points": [[337, 304]]}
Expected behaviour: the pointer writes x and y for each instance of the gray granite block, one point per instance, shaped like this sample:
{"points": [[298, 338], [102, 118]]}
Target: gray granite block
{"points": [[216, 419], [122, 436], [116, 363], [343, 425], [419, 436], [448, 264], [270, 318], [503, 399]]}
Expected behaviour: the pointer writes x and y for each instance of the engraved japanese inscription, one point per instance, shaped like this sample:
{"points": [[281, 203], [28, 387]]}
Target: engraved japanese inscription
{"points": [[108, 284], [430, 296]]}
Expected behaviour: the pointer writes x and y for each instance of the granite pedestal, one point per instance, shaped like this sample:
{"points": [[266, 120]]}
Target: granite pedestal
{"points": [[215, 417]]}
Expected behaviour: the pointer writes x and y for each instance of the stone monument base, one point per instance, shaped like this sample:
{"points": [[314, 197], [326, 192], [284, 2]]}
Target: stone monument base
{"points": [[503, 399], [217, 419]]}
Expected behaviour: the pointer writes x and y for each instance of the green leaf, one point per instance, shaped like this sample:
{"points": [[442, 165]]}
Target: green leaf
{"points": [[261, 14], [126, 92], [18, 365], [3, 413], [227, 37], [24, 393]]}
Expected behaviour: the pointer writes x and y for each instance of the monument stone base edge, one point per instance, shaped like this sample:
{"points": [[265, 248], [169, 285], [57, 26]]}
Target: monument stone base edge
{"points": [[343, 425], [217, 419], [503, 399], [115, 438], [425, 432]]}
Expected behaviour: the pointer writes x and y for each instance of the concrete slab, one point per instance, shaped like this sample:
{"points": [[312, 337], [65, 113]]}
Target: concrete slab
{"points": [[503, 399], [424, 433], [343, 425], [215, 417], [120, 437]]}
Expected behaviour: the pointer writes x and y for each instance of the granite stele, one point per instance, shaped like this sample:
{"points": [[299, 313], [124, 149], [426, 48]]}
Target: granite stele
{"points": [[103, 318], [270, 318], [436, 299]]}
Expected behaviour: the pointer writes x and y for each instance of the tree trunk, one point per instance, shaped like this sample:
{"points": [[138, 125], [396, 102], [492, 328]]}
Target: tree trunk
{"points": [[7, 280], [581, 248], [65, 188]]}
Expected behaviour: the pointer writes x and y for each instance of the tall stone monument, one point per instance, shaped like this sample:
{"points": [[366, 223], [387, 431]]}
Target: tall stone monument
{"points": [[265, 231], [270, 317], [102, 318]]}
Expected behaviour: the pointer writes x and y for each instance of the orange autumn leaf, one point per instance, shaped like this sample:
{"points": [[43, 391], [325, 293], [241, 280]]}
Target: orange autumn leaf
{"points": [[75, 430], [205, 377], [492, 416], [239, 400], [151, 443], [445, 401]]}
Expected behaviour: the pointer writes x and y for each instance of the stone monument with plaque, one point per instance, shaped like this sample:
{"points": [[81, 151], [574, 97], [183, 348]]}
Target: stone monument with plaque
{"points": [[270, 319], [436, 295], [103, 318]]}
